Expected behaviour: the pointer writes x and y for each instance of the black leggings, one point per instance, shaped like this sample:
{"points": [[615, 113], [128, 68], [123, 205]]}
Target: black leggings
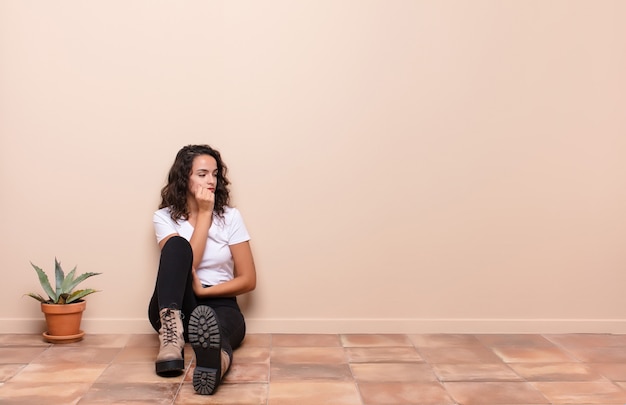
{"points": [[174, 290]]}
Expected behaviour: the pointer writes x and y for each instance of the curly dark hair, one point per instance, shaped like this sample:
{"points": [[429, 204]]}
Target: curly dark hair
{"points": [[174, 194]]}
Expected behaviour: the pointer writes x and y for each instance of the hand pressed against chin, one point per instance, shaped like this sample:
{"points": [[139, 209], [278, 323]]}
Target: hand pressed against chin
{"points": [[205, 197]]}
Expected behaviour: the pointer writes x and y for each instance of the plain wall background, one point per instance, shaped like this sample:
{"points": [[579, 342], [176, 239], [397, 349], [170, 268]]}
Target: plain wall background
{"points": [[402, 166]]}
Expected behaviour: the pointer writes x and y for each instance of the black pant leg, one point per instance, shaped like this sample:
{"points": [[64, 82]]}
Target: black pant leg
{"points": [[174, 282]]}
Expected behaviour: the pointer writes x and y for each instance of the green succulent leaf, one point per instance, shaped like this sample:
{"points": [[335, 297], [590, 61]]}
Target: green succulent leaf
{"points": [[38, 297], [45, 283], [78, 294], [59, 276], [79, 280], [66, 286]]}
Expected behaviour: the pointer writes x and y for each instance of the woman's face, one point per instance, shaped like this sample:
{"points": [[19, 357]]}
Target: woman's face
{"points": [[203, 174]]}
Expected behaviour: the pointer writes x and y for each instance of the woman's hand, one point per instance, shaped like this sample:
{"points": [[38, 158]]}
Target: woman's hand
{"points": [[196, 283], [205, 198]]}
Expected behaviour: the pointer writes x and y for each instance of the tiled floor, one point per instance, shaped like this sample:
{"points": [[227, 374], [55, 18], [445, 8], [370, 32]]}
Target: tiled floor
{"points": [[326, 369]]}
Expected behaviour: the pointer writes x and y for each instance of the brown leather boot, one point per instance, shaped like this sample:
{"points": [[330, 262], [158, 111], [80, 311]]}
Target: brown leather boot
{"points": [[225, 363], [171, 360]]}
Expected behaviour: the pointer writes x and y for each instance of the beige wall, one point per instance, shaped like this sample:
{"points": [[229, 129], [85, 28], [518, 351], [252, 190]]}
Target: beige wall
{"points": [[402, 166]]}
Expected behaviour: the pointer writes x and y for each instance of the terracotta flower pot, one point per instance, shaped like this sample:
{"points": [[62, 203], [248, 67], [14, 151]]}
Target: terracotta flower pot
{"points": [[63, 321]]}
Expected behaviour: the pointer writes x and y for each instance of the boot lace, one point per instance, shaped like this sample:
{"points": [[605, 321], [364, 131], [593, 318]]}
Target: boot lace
{"points": [[169, 323]]}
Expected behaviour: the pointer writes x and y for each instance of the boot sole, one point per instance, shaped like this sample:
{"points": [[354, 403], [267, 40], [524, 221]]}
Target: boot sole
{"points": [[170, 368], [206, 341]]}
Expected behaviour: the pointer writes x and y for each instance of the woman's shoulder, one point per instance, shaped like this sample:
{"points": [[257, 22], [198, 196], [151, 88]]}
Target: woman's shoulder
{"points": [[163, 215], [163, 212], [230, 211], [231, 215]]}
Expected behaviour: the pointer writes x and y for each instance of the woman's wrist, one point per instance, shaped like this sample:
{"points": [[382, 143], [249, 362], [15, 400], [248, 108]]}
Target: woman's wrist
{"points": [[208, 213]]}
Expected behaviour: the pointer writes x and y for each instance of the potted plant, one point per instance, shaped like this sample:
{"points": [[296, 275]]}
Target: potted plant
{"points": [[64, 306]]}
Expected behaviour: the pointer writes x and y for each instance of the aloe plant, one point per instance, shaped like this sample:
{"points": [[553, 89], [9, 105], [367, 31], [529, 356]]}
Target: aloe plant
{"points": [[64, 285]]}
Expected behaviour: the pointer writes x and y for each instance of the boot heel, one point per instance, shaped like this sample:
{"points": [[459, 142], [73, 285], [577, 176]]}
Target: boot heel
{"points": [[205, 380], [169, 367]]}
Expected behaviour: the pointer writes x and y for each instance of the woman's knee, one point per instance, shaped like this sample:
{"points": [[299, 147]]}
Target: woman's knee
{"points": [[177, 245], [176, 254]]}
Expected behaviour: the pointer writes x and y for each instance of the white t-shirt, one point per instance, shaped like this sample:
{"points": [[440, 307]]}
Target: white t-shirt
{"points": [[217, 264]]}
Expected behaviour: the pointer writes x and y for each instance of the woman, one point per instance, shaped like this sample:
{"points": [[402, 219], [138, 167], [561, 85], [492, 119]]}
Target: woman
{"points": [[206, 261]]}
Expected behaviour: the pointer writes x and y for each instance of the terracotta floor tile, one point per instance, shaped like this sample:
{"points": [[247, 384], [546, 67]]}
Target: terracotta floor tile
{"points": [[125, 393], [309, 355], [488, 393], [522, 340], [392, 372], [600, 392], [147, 354], [599, 354], [257, 340], [380, 340], [252, 354], [134, 373], [22, 339], [188, 353], [305, 340], [75, 354], [143, 340], [383, 355], [555, 372], [453, 355], [515, 354], [20, 354], [588, 340], [475, 372], [391, 393], [187, 376], [248, 372], [444, 340], [31, 392], [58, 373], [9, 370], [226, 394], [320, 372], [314, 393], [612, 371], [138, 354], [103, 340]]}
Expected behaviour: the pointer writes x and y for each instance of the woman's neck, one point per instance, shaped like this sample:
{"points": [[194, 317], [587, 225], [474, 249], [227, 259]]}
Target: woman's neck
{"points": [[192, 207]]}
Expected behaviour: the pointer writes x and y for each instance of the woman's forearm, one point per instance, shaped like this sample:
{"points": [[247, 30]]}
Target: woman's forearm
{"points": [[237, 286], [199, 237]]}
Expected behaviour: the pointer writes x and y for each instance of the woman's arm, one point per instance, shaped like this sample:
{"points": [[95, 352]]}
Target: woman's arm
{"points": [[245, 275], [204, 201], [200, 235]]}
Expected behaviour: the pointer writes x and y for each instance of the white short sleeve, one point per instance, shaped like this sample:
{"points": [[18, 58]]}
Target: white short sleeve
{"points": [[236, 228], [164, 225]]}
